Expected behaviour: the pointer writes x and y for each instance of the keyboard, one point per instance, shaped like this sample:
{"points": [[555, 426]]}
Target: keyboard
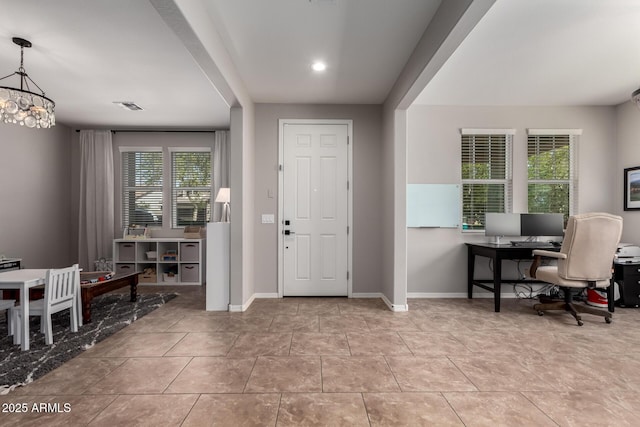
{"points": [[525, 244]]}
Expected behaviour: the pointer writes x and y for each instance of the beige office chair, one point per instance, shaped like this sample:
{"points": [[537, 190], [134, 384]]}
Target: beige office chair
{"points": [[584, 261], [61, 289]]}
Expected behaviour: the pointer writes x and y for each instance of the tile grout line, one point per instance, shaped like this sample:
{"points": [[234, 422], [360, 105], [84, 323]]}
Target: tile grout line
{"points": [[244, 389]]}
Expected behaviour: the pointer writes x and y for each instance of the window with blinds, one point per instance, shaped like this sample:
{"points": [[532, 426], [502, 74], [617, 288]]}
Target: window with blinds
{"points": [[552, 175], [486, 177], [141, 188], [190, 188]]}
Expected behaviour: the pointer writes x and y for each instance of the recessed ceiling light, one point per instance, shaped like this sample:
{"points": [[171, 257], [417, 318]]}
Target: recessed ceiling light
{"points": [[319, 66]]}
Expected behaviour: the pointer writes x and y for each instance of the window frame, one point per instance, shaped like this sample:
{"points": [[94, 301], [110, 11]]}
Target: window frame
{"points": [[210, 188], [572, 180], [124, 188], [507, 181]]}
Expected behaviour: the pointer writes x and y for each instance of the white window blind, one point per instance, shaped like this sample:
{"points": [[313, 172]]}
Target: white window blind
{"points": [[141, 188], [552, 173], [191, 188], [486, 177]]}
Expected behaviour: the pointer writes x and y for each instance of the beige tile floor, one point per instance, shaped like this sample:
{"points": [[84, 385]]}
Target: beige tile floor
{"points": [[332, 362]]}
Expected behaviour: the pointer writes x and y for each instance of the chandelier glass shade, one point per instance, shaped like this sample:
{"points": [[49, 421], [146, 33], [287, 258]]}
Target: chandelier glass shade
{"points": [[21, 105]]}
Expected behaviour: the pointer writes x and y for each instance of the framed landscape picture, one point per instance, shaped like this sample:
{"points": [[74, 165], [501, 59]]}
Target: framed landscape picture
{"points": [[632, 189]]}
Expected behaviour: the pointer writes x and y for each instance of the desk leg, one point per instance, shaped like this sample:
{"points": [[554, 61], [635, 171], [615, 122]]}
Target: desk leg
{"points": [[611, 295], [471, 263], [497, 282], [24, 330]]}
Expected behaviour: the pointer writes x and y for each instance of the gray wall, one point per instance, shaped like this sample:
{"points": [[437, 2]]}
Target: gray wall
{"points": [[36, 214], [628, 156], [453, 20], [367, 188], [437, 257], [388, 206]]}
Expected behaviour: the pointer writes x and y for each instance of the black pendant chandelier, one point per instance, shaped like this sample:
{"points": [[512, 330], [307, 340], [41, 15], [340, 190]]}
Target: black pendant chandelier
{"points": [[22, 106]]}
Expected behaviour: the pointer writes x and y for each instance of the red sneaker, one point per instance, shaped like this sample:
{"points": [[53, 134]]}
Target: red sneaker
{"points": [[597, 298]]}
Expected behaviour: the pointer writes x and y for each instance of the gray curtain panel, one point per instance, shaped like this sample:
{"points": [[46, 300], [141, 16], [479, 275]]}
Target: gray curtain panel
{"points": [[96, 216]]}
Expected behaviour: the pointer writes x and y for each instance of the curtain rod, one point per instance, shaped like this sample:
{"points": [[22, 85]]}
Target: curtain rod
{"points": [[167, 131]]}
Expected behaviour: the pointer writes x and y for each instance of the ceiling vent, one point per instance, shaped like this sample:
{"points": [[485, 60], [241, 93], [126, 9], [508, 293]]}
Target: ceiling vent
{"points": [[324, 2], [128, 105]]}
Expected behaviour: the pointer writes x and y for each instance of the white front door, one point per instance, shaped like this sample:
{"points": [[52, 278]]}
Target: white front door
{"points": [[315, 209]]}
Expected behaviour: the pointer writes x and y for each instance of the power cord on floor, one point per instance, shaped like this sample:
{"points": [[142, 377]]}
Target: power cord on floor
{"points": [[525, 291]]}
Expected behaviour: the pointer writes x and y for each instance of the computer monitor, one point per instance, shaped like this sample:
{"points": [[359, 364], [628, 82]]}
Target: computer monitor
{"points": [[542, 224], [501, 224]]}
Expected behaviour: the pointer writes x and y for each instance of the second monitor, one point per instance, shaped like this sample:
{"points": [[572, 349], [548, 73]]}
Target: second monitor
{"points": [[542, 224]]}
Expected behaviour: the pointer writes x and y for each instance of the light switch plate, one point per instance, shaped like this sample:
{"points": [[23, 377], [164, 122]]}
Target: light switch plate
{"points": [[268, 218]]}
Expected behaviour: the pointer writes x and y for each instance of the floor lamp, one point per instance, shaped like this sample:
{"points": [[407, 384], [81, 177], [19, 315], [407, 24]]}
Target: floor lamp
{"points": [[224, 196]]}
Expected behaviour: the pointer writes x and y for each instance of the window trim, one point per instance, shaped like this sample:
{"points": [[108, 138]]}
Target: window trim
{"points": [[123, 186], [487, 131], [167, 179], [172, 202], [573, 180], [554, 132], [507, 181]]}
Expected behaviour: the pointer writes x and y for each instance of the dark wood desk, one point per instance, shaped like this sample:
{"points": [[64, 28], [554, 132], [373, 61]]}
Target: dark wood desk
{"points": [[497, 252]]}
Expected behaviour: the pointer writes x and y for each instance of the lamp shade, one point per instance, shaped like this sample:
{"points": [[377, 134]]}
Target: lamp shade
{"points": [[224, 195]]}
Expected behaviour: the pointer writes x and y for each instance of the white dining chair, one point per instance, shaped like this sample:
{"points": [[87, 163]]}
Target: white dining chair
{"points": [[7, 304], [61, 289]]}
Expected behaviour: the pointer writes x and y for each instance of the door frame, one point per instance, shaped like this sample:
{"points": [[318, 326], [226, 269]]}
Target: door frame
{"points": [[281, 124]]}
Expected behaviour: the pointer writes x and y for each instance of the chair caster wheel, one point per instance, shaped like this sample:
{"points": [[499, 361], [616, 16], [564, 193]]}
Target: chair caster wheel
{"points": [[540, 313], [580, 323], [607, 319]]}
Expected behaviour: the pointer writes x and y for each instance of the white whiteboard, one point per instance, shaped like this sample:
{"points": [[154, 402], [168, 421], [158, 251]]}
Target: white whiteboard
{"points": [[433, 205]]}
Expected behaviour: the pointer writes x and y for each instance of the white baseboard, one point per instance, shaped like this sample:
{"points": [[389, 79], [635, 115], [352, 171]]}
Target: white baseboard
{"points": [[438, 295], [457, 295], [366, 295], [394, 307], [243, 307], [267, 295]]}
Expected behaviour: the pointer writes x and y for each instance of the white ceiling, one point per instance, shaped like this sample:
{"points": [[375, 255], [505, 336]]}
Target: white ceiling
{"points": [[365, 44], [544, 52], [89, 53]]}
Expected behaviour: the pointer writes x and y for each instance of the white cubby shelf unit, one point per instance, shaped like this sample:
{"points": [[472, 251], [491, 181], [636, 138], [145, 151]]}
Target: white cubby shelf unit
{"points": [[178, 261]]}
